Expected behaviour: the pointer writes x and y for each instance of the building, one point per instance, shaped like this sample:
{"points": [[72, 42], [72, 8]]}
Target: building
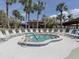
{"points": [[74, 23], [33, 24]]}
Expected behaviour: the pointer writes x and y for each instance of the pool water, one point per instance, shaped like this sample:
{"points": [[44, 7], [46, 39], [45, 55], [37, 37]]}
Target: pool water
{"points": [[40, 37]]}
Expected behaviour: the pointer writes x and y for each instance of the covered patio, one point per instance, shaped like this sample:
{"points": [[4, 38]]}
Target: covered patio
{"points": [[74, 23]]}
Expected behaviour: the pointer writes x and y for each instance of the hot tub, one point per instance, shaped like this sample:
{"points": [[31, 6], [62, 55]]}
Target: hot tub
{"points": [[39, 39]]}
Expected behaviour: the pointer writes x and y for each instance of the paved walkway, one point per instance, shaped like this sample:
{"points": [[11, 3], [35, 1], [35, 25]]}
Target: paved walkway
{"points": [[55, 50], [74, 54]]}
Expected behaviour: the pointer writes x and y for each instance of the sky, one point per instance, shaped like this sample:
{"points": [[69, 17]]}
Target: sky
{"points": [[50, 8]]}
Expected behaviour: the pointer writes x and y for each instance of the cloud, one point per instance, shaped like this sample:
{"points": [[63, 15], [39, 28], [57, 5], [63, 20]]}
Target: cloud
{"points": [[75, 13], [23, 14], [53, 16], [65, 13]]}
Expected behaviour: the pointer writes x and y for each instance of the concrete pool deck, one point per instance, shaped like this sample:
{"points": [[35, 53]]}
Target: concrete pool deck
{"points": [[74, 54], [54, 50]]}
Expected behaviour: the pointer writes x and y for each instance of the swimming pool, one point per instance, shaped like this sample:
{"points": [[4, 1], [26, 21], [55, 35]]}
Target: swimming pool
{"points": [[40, 37], [33, 39]]}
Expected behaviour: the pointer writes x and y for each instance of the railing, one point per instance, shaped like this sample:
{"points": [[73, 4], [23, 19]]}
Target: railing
{"points": [[34, 35]]}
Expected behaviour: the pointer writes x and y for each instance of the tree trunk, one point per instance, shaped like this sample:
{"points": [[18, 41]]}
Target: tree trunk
{"points": [[76, 26], [26, 20], [29, 20], [16, 23], [45, 25], [61, 20], [7, 9], [37, 20], [8, 24]]}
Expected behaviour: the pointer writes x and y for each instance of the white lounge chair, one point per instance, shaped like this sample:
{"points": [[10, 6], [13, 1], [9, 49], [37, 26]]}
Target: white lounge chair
{"points": [[8, 34], [26, 31], [41, 30], [72, 34], [63, 31], [69, 32], [11, 33], [4, 36], [47, 30], [58, 31], [52, 30], [37, 30], [20, 32], [23, 31], [17, 32], [14, 33], [31, 30], [75, 34]]}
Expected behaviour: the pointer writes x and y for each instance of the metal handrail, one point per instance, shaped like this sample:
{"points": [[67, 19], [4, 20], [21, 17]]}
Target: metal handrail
{"points": [[34, 36]]}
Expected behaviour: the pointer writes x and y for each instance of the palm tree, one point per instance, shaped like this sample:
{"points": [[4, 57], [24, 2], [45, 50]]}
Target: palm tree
{"points": [[24, 3], [16, 13], [3, 18], [21, 18], [59, 17], [60, 8], [8, 3], [70, 17], [27, 7], [45, 20], [38, 7]]}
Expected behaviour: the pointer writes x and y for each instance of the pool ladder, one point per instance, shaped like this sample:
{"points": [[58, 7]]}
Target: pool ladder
{"points": [[34, 35]]}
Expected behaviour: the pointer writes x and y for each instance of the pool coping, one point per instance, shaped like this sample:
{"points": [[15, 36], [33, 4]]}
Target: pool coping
{"points": [[46, 42]]}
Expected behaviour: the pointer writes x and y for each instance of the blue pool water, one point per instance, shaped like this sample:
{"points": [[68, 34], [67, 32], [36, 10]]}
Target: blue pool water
{"points": [[41, 37]]}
